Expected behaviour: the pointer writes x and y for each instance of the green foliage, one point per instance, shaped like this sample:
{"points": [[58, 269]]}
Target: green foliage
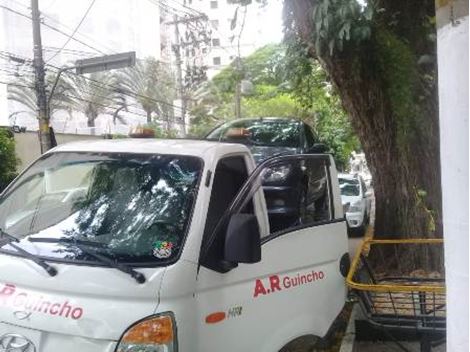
{"points": [[161, 132], [338, 22], [286, 84], [8, 160], [314, 92], [264, 66], [396, 64]]}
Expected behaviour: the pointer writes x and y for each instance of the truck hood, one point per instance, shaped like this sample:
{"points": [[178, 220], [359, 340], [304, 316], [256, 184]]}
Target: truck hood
{"points": [[91, 302], [261, 153]]}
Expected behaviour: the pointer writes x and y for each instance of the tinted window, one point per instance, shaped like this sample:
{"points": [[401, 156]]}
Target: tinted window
{"points": [[260, 132], [301, 197], [127, 204]]}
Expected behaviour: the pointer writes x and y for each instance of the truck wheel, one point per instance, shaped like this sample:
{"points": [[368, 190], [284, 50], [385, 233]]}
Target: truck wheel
{"points": [[301, 344], [361, 230]]}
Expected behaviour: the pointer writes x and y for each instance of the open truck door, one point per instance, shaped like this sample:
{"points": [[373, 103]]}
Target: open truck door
{"points": [[258, 291]]}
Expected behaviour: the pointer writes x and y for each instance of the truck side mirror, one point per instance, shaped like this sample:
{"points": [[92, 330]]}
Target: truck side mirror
{"points": [[243, 239], [318, 148]]}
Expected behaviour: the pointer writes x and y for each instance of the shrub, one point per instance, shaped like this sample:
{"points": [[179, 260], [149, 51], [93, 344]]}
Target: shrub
{"points": [[8, 160]]}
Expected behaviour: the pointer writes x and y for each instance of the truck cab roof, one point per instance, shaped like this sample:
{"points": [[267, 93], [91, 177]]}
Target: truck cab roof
{"points": [[193, 147]]}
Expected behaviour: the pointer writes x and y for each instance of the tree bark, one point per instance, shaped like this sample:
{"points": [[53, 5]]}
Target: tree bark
{"points": [[91, 123], [396, 121]]}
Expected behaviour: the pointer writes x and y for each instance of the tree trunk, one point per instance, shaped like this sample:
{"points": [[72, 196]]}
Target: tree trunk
{"points": [[392, 103], [91, 123], [149, 116]]}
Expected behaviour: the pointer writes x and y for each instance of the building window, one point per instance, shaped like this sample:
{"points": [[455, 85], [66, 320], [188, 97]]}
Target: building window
{"points": [[215, 24], [216, 60], [214, 4], [204, 50], [215, 42]]}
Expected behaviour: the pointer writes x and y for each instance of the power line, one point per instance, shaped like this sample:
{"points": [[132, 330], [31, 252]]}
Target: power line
{"points": [[101, 84], [53, 28], [45, 15], [75, 97], [74, 31]]}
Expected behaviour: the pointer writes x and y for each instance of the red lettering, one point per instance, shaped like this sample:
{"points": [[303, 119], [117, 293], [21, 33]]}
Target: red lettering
{"points": [[36, 303], [20, 299], [274, 282], [67, 307], [259, 288], [309, 277], [77, 313], [286, 282], [7, 291], [44, 306], [54, 310], [321, 275]]}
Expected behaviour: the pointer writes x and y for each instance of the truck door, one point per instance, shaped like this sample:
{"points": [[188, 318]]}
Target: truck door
{"points": [[296, 289]]}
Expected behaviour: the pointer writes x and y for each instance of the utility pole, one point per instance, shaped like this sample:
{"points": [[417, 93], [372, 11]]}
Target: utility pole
{"points": [[179, 75], [179, 62], [238, 91], [39, 85]]}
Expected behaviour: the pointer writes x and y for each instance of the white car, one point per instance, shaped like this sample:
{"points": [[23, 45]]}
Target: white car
{"points": [[356, 200], [164, 245]]}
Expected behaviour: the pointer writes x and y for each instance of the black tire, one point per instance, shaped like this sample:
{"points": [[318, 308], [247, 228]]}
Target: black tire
{"points": [[357, 231], [361, 230]]}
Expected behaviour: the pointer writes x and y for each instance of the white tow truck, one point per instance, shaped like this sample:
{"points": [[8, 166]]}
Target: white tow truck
{"points": [[164, 245]]}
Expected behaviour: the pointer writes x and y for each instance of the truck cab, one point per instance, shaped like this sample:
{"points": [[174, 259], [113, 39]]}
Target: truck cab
{"points": [[164, 245]]}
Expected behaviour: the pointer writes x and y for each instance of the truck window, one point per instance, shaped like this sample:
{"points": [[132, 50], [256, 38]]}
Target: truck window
{"points": [[302, 198], [230, 175], [126, 205]]}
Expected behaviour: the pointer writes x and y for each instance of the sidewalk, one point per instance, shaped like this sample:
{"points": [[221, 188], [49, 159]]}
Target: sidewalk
{"points": [[350, 344]]}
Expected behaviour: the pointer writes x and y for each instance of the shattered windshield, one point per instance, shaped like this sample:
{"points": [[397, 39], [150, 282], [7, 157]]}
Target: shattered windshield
{"points": [[260, 132], [132, 208]]}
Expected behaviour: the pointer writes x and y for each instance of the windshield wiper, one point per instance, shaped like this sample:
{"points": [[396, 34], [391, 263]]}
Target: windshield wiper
{"points": [[10, 241], [139, 277]]}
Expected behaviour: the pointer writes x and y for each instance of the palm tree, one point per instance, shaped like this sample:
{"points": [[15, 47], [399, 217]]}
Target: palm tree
{"points": [[22, 91], [94, 96], [152, 85]]}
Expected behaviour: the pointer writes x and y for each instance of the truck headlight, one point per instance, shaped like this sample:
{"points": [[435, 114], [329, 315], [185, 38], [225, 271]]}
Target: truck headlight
{"points": [[153, 334], [277, 173], [355, 207]]}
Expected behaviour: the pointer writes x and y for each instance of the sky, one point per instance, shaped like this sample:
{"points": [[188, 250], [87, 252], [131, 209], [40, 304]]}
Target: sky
{"points": [[272, 23]]}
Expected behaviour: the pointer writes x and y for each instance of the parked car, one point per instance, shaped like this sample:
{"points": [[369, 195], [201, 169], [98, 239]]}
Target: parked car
{"points": [[162, 245], [286, 188], [356, 201]]}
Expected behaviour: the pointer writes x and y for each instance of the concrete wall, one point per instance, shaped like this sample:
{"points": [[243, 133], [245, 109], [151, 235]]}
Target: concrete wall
{"points": [[27, 145], [452, 49]]}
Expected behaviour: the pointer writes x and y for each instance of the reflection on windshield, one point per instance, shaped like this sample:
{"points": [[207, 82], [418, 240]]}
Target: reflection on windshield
{"points": [[273, 133], [349, 188], [134, 207]]}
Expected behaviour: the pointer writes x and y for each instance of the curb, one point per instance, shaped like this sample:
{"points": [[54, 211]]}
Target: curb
{"points": [[347, 345]]}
